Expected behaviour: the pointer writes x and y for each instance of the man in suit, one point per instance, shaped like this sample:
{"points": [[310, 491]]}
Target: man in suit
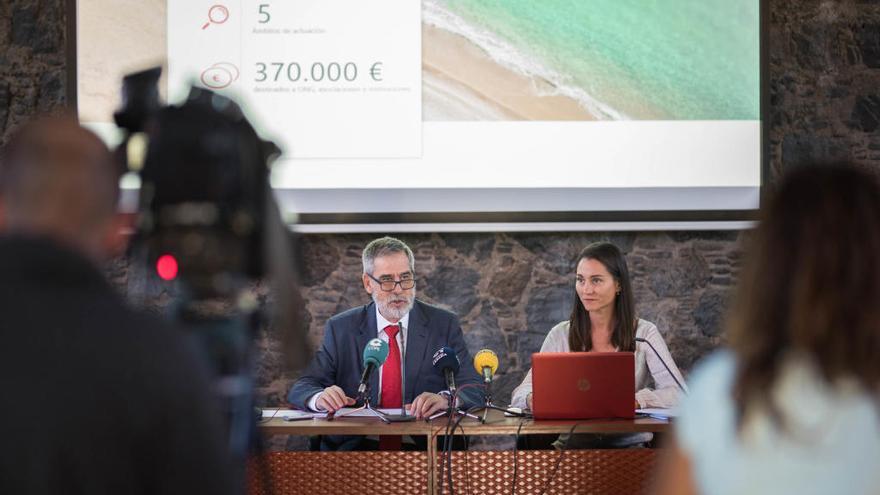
{"points": [[414, 331]]}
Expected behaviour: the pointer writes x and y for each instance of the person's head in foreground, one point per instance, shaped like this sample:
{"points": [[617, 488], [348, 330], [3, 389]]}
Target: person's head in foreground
{"points": [[794, 406], [58, 180], [118, 401], [602, 292]]}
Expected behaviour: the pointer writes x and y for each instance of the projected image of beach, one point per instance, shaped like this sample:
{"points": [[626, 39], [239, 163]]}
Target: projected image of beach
{"points": [[590, 60]]}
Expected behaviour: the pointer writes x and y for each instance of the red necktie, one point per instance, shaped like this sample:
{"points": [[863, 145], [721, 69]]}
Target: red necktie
{"points": [[391, 396], [391, 371]]}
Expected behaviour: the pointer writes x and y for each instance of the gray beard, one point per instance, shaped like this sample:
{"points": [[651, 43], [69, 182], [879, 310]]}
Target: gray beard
{"points": [[391, 313]]}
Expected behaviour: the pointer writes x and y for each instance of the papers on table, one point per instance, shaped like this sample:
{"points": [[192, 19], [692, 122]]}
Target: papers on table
{"points": [[291, 414], [355, 412], [658, 413], [351, 412]]}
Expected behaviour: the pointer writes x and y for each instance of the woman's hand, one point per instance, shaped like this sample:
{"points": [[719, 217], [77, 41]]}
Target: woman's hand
{"points": [[529, 400]]}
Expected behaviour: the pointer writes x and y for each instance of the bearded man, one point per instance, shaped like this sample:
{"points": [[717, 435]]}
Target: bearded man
{"points": [[414, 331]]}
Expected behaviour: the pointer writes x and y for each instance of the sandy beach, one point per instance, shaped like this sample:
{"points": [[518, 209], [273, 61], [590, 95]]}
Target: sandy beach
{"points": [[461, 82]]}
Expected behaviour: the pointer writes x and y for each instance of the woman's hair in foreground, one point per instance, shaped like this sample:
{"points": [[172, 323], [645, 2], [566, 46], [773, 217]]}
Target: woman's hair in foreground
{"points": [[811, 284], [624, 334]]}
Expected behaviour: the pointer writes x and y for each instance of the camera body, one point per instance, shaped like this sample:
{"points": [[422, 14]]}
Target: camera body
{"points": [[204, 186]]}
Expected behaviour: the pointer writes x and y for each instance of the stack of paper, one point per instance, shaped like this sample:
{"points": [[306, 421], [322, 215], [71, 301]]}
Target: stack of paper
{"points": [[291, 414], [658, 413]]}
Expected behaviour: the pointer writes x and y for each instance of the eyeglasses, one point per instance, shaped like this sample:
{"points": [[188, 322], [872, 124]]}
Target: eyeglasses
{"points": [[389, 285]]}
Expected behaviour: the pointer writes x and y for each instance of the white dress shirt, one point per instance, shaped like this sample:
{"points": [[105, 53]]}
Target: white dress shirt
{"points": [[665, 393]]}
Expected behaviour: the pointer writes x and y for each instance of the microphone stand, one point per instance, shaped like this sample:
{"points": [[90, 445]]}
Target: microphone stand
{"points": [[402, 370], [367, 407], [453, 411], [461, 412], [645, 341], [491, 405], [403, 416]]}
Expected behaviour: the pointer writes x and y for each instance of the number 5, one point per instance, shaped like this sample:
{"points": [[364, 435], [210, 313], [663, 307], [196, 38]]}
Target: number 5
{"points": [[264, 11]]}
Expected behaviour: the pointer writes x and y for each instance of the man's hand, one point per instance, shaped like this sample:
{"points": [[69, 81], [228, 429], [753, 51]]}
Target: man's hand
{"points": [[426, 404], [333, 399]]}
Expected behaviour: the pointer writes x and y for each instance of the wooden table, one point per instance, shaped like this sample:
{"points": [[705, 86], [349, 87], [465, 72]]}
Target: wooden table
{"points": [[382, 466], [498, 424]]}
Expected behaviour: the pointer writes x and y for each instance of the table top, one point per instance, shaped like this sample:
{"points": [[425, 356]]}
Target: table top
{"points": [[496, 424]]}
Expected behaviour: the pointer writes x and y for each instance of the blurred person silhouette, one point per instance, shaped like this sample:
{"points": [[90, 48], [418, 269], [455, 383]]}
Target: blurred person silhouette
{"points": [[794, 405], [97, 398]]}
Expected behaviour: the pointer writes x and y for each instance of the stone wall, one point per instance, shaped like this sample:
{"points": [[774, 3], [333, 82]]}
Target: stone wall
{"points": [[823, 78], [33, 65], [824, 82], [510, 289]]}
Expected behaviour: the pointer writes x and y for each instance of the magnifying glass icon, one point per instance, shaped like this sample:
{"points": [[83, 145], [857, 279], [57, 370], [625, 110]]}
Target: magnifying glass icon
{"points": [[217, 14]]}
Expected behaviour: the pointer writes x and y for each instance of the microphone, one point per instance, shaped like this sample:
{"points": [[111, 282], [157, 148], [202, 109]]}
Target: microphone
{"points": [[446, 362], [639, 339], [486, 363], [375, 353], [403, 416], [402, 335]]}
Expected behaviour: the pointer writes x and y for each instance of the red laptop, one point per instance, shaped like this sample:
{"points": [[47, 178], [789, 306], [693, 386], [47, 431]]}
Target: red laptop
{"points": [[583, 385]]}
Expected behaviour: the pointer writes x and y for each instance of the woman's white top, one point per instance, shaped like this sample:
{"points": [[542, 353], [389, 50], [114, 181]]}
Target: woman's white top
{"points": [[664, 393], [831, 445]]}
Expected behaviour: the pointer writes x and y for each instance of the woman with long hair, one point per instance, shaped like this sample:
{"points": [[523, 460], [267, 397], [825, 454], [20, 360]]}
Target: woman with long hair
{"points": [[794, 405], [603, 320]]}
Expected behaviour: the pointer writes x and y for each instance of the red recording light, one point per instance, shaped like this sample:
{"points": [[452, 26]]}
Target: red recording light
{"points": [[166, 267]]}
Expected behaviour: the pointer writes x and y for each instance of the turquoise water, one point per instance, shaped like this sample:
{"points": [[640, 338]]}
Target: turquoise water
{"points": [[640, 59]]}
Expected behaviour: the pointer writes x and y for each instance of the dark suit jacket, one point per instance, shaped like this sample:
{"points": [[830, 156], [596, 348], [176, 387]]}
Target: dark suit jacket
{"points": [[339, 361]]}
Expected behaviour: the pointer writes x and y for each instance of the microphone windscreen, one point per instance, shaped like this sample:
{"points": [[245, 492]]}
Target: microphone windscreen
{"points": [[444, 359], [485, 358], [376, 351]]}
